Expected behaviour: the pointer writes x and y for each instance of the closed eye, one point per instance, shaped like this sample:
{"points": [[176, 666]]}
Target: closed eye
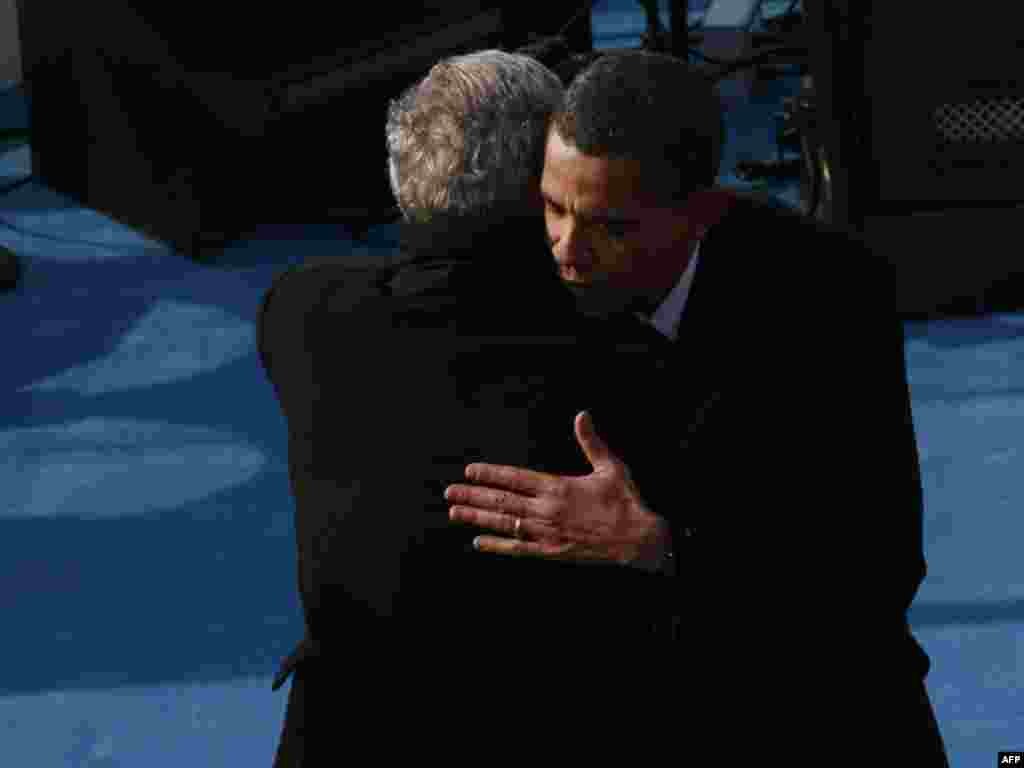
{"points": [[616, 228], [553, 206]]}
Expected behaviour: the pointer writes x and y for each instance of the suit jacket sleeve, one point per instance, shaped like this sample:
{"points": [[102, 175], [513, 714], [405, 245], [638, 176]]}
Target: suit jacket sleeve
{"points": [[280, 321], [284, 337], [280, 343]]}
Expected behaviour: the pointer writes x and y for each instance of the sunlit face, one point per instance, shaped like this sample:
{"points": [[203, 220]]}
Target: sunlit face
{"points": [[612, 242]]}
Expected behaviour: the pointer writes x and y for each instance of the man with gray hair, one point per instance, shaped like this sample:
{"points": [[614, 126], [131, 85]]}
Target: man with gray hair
{"points": [[469, 346], [469, 138]]}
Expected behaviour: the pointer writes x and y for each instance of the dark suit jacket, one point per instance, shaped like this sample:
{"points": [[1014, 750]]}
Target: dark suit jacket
{"points": [[391, 381], [789, 447], [802, 480]]}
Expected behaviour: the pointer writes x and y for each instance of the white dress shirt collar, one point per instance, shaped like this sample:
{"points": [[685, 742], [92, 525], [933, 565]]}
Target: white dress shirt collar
{"points": [[668, 314]]}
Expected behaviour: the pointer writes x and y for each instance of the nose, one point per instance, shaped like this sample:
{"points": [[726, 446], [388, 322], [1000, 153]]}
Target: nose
{"points": [[572, 252]]}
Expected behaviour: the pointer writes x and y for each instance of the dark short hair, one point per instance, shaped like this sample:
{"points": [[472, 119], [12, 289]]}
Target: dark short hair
{"points": [[651, 108]]}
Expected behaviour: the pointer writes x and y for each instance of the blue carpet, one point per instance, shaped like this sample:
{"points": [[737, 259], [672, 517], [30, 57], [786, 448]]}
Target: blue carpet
{"points": [[147, 577]]}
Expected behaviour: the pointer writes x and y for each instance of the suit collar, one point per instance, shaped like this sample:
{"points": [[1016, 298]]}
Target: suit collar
{"points": [[461, 237], [718, 292], [667, 317], [712, 307], [499, 259], [728, 282]]}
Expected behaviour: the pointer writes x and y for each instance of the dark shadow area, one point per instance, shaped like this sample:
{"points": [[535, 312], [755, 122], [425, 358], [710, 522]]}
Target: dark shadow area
{"points": [[270, 242], [14, 108], [632, 6], [279, 244], [1003, 297], [966, 614], [963, 331]]}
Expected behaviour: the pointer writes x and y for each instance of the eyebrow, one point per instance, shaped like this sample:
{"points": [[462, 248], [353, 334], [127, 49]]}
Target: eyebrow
{"points": [[613, 214]]}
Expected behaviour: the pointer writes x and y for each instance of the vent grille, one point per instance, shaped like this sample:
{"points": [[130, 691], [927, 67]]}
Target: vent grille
{"points": [[988, 121]]}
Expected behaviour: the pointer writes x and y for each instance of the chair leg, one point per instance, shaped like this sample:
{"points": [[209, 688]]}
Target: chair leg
{"points": [[10, 270]]}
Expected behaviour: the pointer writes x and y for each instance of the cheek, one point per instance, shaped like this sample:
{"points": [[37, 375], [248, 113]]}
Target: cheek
{"points": [[675, 236], [660, 247], [611, 250], [614, 257]]}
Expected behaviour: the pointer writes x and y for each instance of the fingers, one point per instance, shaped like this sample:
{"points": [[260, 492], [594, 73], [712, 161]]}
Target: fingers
{"points": [[516, 548], [500, 523], [594, 448], [511, 478], [491, 499]]}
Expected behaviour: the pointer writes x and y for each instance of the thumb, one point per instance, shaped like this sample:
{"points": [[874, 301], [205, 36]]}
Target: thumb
{"points": [[594, 448]]}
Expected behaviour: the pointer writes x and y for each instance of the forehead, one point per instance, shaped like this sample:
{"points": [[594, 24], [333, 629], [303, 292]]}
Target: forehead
{"points": [[590, 182]]}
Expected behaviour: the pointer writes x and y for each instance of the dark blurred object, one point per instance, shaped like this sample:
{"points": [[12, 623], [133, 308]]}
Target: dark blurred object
{"points": [[726, 36], [10, 137], [798, 131], [568, 69], [735, 53], [655, 38], [195, 129], [569, 20], [924, 150], [10, 270], [681, 33], [562, 41], [792, 21], [554, 53], [549, 51], [13, 116], [773, 170]]}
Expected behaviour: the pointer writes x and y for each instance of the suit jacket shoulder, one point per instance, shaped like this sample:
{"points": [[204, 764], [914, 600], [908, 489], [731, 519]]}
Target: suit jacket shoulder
{"points": [[299, 293], [773, 268]]}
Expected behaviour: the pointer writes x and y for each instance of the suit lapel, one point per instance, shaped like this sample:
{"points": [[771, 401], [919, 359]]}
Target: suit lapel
{"points": [[699, 345]]}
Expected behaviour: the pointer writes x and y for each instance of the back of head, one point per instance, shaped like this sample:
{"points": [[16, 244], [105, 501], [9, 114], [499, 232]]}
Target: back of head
{"points": [[651, 108], [469, 137]]}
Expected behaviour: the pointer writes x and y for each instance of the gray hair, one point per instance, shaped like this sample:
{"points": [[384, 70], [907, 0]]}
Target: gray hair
{"points": [[471, 134]]}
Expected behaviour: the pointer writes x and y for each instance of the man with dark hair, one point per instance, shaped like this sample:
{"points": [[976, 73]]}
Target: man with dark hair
{"points": [[795, 530], [657, 147]]}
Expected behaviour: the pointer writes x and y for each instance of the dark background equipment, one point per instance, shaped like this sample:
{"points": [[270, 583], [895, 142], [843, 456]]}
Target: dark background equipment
{"points": [[10, 269], [910, 125], [195, 127], [921, 125]]}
